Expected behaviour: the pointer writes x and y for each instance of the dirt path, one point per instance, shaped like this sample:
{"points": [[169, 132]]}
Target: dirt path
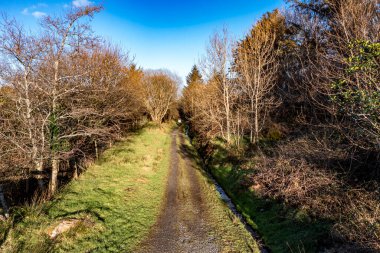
{"points": [[183, 225], [180, 227]]}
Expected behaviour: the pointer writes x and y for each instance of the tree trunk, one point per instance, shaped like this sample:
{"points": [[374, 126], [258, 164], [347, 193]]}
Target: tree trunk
{"points": [[228, 127], [256, 121], [54, 176], [3, 202], [39, 175], [227, 108], [75, 175], [251, 122], [96, 150]]}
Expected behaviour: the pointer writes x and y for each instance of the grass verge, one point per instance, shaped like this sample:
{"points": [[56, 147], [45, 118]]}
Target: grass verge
{"points": [[110, 208], [282, 228]]}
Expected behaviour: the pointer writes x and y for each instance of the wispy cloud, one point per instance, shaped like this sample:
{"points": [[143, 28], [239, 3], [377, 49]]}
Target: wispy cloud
{"points": [[81, 3], [38, 14], [31, 10], [25, 11]]}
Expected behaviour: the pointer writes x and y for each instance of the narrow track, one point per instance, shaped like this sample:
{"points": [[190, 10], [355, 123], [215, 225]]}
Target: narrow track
{"points": [[180, 227], [185, 223]]}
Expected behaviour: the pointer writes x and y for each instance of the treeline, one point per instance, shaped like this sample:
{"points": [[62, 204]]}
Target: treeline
{"points": [[65, 95], [301, 89]]}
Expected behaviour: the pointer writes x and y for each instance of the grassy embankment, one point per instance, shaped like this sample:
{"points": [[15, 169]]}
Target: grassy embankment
{"points": [[112, 205], [282, 228], [227, 228]]}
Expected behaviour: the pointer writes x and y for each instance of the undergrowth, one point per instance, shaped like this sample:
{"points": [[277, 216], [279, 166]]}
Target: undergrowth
{"points": [[282, 228], [297, 205]]}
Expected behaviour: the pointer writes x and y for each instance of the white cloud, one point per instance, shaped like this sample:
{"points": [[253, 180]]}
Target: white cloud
{"points": [[39, 14], [25, 11], [81, 3]]}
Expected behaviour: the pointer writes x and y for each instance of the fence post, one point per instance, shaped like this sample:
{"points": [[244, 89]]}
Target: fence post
{"points": [[3, 203]]}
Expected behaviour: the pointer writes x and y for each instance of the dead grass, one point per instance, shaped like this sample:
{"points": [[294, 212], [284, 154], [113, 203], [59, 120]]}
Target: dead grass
{"points": [[296, 183], [293, 177], [360, 219]]}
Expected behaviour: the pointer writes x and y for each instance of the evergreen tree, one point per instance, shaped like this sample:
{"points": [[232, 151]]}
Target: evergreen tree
{"points": [[194, 76]]}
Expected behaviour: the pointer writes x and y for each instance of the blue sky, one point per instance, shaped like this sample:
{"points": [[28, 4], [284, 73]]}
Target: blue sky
{"points": [[158, 33]]}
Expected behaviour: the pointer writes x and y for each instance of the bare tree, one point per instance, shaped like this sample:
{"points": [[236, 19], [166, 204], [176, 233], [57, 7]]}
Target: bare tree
{"points": [[23, 53], [216, 65], [257, 65], [65, 92], [160, 92], [61, 38]]}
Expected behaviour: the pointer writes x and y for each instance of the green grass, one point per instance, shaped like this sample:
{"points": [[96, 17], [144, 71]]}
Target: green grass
{"points": [[231, 233], [116, 201], [282, 228]]}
